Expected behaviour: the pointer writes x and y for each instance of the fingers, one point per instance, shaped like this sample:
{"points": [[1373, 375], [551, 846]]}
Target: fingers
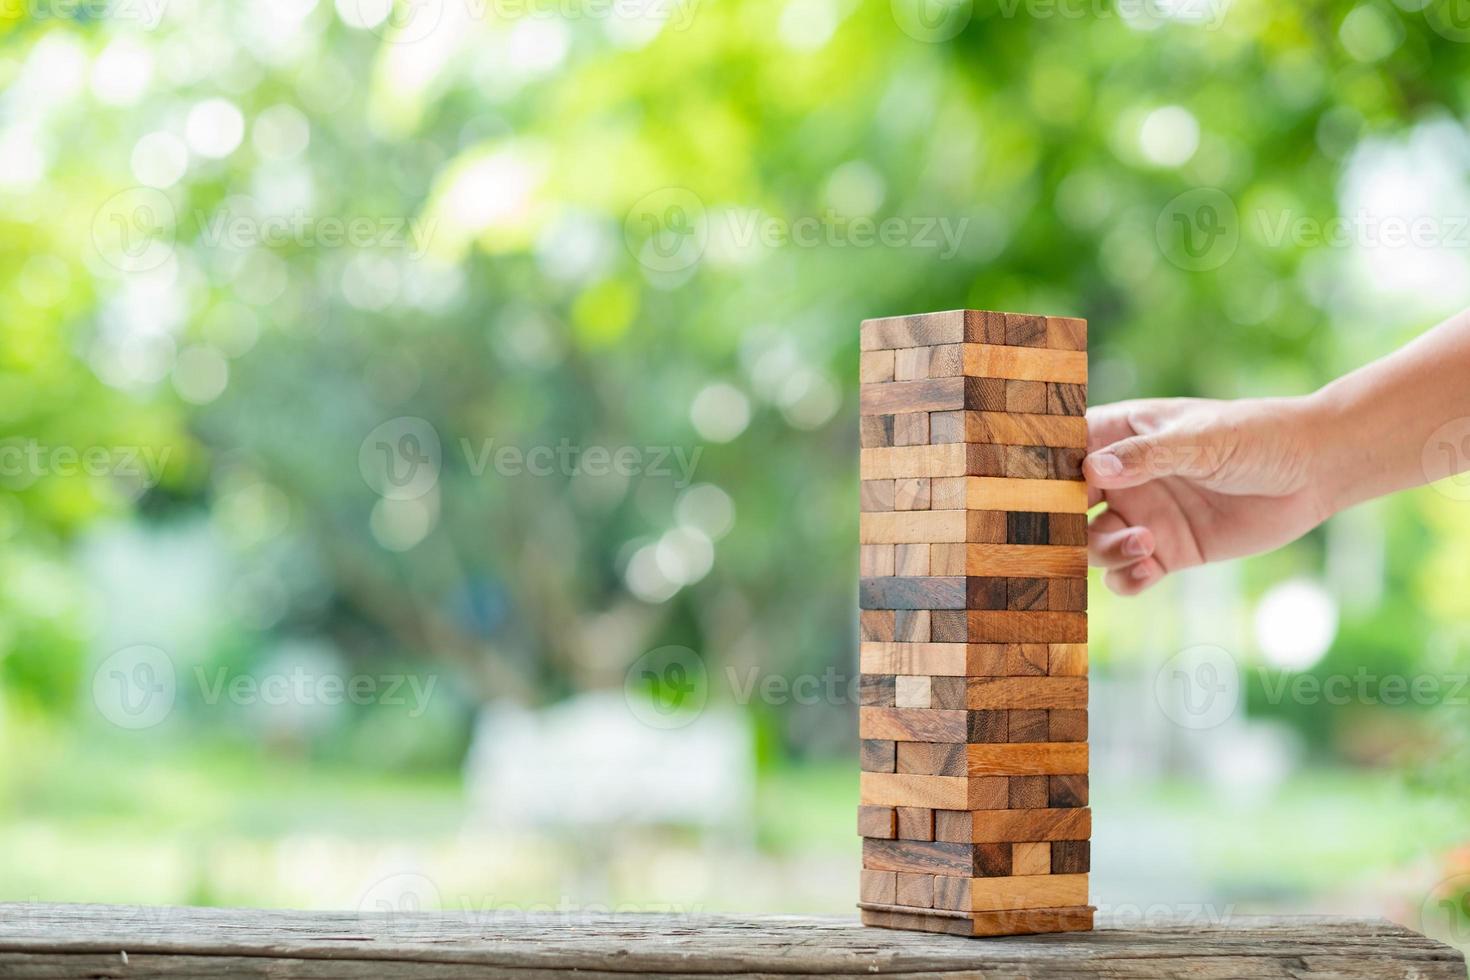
{"points": [[1127, 552], [1111, 543]]}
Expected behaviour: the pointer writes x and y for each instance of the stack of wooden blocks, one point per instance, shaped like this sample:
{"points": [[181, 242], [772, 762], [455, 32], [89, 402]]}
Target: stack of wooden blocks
{"points": [[973, 566]]}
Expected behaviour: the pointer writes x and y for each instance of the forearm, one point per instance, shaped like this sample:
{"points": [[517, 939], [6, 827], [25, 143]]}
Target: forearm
{"points": [[1373, 426]]}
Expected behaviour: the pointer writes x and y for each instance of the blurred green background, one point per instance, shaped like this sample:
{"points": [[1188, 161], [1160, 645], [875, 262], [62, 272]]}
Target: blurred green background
{"points": [[428, 474]]}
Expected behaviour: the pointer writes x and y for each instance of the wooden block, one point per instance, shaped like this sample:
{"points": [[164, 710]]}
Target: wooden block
{"points": [[911, 626], [1068, 529], [946, 559], [1066, 464], [876, 755], [947, 493], [985, 593], [876, 690], [911, 592], [1066, 725], [911, 364], [911, 429], [913, 559], [986, 727], [939, 793], [1015, 892], [912, 724], [912, 527], [947, 692], [954, 825], [919, 330], [1027, 792], [875, 366], [987, 660], [913, 658], [876, 431], [876, 624], [1071, 857], [876, 821], [1028, 397], [1067, 595], [986, 526], [1066, 399], [932, 758], [1028, 759], [986, 460], [1017, 429], [1026, 692], [1026, 659], [915, 823], [911, 691], [1027, 593], [999, 825], [961, 860], [1067, 659], [1007, 626], [898, 397], [991, 493], [915, 891], [1032, 858], [1066, 333], [1025, 363], [1026, 331], [982, 395], [909, 461], [992, 860], [1026, 462], [1066, 791], [985, 327], [911, 493], [878, 560], [946, 361], [947, 428], [1023, 560], [1026, 527], [878, 887], [949, 626], [1022, 922], [876, 495], [1027, 725]]}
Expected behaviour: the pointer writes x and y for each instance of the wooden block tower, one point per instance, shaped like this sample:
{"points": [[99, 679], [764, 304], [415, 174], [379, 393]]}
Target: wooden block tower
{"points": [[973, 567]]}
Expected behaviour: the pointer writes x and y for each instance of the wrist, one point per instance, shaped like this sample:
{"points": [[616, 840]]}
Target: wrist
{"points": [[1323, 419]]}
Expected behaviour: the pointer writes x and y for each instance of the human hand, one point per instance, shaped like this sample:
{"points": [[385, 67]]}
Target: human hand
{"points": [[1191, 480]]}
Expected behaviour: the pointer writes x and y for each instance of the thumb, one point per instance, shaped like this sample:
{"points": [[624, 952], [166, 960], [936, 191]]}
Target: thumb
{"points": [[1139, 459]]}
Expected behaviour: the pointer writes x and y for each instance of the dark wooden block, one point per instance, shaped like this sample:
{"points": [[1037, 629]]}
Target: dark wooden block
{"points": [[876, 755], [1066, 791], [947, 692], [1028, 792], [992, 860], [1029, 626], [985, 460], [979, 395], [1071, 857], [987, 526], [1026, 593], [1025, 331], [912, 592], [989, 725], [1067, 529], [876, 690], [919, 857], [983, 592], [1029, 725], [1025, 527], [1066, 399], [1065, 463]]}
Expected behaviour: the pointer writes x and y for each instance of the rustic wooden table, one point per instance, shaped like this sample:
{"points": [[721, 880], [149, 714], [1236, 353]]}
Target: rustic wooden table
{"points": [[97, 941]]}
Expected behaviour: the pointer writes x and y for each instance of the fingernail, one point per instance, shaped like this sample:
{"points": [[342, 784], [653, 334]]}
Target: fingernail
{"points": [[1106, 464], [1142, 571], [1133, 546]]}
